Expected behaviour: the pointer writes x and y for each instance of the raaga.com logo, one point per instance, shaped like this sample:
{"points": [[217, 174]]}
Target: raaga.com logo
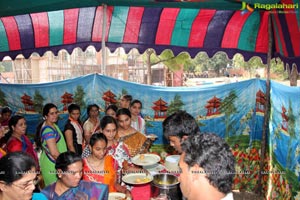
{"points": [[247, 7]]}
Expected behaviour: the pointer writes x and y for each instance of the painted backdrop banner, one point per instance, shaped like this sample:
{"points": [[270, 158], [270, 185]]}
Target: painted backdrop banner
{"points": [[233, 111], [284, 143], [229, 110]]}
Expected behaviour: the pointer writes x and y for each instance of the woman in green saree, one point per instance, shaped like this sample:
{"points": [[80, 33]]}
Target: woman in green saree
{"points": [[51, 141]]}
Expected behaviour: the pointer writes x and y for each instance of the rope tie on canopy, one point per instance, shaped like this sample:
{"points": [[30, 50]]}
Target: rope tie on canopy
{"points": [[103, 67]]}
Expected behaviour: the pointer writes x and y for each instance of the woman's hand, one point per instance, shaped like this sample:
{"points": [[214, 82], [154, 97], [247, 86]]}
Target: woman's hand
{"points": [[128, 194], [124, 190]]}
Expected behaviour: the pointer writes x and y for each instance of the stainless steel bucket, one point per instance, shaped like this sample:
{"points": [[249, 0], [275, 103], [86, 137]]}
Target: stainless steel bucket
{"points": [[166, 184]]}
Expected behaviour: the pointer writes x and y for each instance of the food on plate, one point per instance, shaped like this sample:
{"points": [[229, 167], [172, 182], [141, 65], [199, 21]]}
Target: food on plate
{"points": [[142, 180], [145, 159], [142, 157], [138, 180]]}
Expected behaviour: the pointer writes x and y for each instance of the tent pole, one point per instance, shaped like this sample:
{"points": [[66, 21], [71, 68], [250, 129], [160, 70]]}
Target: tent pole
{"points": [[264, 141], [103, 68]]}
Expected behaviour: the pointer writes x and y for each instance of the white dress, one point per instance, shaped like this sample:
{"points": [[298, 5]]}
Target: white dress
{"points": [[139, 125]]}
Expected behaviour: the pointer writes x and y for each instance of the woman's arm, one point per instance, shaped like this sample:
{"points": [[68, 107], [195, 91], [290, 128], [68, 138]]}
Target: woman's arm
{"points": [[87, 132], [123, 189], [69, 140], [51, 143], [87, 136], [118, 186]]}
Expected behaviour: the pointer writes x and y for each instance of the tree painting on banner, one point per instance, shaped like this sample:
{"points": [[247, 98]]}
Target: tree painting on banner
{"points": [[234, 111]]}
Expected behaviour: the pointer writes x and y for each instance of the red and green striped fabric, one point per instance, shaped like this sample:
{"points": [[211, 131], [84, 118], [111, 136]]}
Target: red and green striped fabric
{"points": [[191, 28], [286, 29], [179, 29]]}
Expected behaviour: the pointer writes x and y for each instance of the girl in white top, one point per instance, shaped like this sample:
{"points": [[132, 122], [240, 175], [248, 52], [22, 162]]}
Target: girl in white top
{"points": [[137, 121], [90, 126]]}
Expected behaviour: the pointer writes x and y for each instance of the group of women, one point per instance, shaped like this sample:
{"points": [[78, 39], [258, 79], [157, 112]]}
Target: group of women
{"points": [[82, 156], [19, 177]]}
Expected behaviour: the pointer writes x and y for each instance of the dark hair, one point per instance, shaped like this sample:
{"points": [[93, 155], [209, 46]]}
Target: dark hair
{"points": [[14, 165], [107, 120], [111, 106], [97, 137], [72, 107], [213, 154], [136, 101], [6, 110], [180, 124], [89, 108], [127, 97], [47, 108], [65, 159], [37, 138], [12, 122], [124, 111]]}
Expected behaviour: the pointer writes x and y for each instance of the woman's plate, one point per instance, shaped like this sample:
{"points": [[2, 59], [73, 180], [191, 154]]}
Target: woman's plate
{"points": [[145, 159], [156, 168], [116, 196], [137, 178]]}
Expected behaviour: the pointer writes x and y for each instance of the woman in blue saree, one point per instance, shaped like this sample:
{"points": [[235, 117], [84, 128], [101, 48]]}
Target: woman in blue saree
{"points": [[69, 184]]}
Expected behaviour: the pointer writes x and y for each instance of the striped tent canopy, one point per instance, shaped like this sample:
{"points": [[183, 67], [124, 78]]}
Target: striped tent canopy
{"points": [[17, 7], [178, 29]]}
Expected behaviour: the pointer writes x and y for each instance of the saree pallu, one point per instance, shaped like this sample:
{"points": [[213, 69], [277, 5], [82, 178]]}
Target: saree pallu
{"points": [[84, 191], [2, 153], [25, 145], [120, 153], [107, 176], [136, 143], [47, 162]]}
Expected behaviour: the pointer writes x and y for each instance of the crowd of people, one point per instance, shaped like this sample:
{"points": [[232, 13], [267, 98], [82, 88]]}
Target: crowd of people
{"points": [[86, 160], [100, 149]]}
